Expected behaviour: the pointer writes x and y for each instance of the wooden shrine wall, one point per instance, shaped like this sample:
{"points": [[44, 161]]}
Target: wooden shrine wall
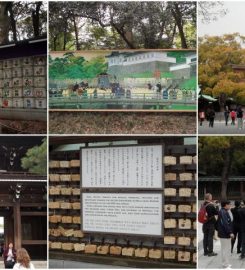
{"points": [[178, 245]]}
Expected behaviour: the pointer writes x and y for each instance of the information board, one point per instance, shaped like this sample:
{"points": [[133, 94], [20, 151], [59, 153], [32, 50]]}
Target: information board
{"points": [[125, 213], [122, 167]]}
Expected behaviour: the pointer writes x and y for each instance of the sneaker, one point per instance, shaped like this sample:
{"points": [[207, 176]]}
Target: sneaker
{"points": [[212, 254], [242, 257]]}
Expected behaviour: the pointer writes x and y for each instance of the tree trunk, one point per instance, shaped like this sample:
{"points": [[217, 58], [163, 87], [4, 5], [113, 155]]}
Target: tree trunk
{"points": [[54, 44], [36, 19], [76, 33], [65, 34], [4, 22], [226, 173], [178, 19], [124, 37], [224, 185], [13, 22]]}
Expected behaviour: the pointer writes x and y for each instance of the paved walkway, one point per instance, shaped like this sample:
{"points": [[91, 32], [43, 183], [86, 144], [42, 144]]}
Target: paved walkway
{"points": [[219, 128], [205, 262], [53, 264], [37, 264]]}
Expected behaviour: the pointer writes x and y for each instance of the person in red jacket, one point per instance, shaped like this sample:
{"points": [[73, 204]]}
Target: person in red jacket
{"points": [[9, 256], [233, 117]]}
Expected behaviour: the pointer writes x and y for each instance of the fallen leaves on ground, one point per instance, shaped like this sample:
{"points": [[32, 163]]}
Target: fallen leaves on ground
{"points": [[26, 127], [122, 123]]}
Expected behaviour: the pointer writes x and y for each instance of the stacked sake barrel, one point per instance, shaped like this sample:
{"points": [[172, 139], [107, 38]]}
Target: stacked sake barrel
{"points": [[23, 83]]}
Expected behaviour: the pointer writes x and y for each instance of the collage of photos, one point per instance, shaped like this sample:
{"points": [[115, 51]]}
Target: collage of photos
{"points": [[122, 134]]}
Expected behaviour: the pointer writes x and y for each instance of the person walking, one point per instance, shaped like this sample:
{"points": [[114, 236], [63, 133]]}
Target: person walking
{"points": [[23, 260], [236, 227], [241, 213], [226, 114], [202, 117], [233, 117], [211, 118], [208, 227], [239, 118], [9, 256], [225, 232]]}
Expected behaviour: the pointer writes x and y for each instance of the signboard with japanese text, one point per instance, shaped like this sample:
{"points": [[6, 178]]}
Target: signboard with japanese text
{"points": [[126, 213], [122, 167]]}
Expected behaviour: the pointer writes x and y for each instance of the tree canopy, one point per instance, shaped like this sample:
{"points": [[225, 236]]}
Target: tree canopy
{"points": [[114, 25], [217, 55], [209, 11], [222, 156], [35, 160], [22, 20], [73, 66]]}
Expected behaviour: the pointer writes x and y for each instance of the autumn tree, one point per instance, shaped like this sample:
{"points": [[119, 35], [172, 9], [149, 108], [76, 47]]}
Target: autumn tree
{"points": [[217, 55], [223, 157]]}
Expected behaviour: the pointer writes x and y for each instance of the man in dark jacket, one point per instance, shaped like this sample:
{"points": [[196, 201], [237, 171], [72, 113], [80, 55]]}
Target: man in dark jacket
{"points": [[208, 227], [236, 227], [239, 114], [241, 212], [225, 232], [211, 117]]}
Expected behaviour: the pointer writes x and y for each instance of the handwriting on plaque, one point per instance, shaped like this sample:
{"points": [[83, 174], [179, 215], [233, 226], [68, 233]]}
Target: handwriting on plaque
{"points": [[128, 213], [122, 167]]}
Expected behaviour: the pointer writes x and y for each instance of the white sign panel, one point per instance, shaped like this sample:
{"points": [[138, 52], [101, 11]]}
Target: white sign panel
{"points": [[126, 213], [122, 167]]}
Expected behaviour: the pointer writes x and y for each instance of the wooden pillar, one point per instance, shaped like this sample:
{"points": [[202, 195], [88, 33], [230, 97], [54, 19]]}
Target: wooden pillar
{"points": [[7, 224], [17, 225], [8, 229], [242, 191]]}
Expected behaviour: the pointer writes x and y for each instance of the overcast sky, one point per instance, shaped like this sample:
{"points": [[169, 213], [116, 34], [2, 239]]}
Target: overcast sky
{"points": [[232, 22]]}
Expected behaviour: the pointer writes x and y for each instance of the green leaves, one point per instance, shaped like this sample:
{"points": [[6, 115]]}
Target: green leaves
{"points": [[212, 154], [76, 67], [130, 24], [35, 160]]}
